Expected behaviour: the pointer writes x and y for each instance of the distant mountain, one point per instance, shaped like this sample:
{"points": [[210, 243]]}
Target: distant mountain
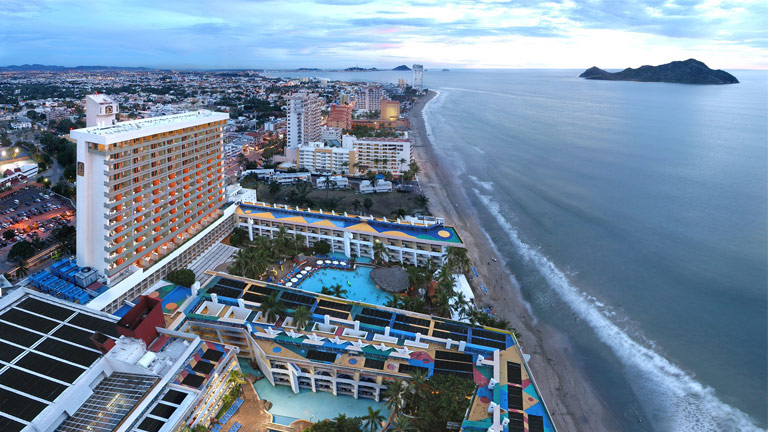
{"points": [[54, 68], [359, 69], [683, 72], [401, 68]]}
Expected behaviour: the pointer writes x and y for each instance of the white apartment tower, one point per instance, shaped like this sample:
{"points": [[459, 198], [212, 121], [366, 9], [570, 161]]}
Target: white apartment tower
{"points": [[369, 98], [304, 116], [418, 76], [144, 187]]}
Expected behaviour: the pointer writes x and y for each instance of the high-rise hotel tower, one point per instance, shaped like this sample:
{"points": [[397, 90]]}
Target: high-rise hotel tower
{"points": [[144, 187]]}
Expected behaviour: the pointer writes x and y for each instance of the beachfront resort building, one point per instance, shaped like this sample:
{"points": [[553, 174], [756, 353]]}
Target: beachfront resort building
{"points": [[418, 77], [358, 349], [390, 110], [369, 98], [410, 241], [304, 116], [328, 157], [340, 116], [382, 154], [67, 368], [148, 192]]}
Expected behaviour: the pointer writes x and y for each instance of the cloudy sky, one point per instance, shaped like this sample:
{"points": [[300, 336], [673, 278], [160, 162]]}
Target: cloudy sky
{"points": [[341, 33]]}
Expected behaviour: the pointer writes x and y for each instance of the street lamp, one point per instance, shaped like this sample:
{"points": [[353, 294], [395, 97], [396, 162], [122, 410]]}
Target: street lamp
{"points": [[4, 153]]}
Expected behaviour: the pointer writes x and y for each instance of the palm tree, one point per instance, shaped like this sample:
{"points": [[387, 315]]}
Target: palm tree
{"points": [[327, 184], [301, 317], [394, 395], [236, 379], [380, 252], [443, 303], [325, 290], [338, 291], [399, 213], [271, 308], [445, 279], [460, 305], [373, 419], [416, 387], [22, 270], [458, 259], [422, 201], [356, 205], [402, 424]]}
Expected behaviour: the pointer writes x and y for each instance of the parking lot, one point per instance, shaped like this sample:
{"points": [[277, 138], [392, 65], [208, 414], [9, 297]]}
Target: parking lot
{"points": [[28, 214]]}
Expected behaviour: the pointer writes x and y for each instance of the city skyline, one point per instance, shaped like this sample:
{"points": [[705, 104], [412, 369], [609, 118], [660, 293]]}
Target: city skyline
{"points": [[343, 33]]}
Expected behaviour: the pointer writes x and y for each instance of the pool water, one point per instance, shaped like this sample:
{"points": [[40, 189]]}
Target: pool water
{"points": [[288, 406], [358, 283]]}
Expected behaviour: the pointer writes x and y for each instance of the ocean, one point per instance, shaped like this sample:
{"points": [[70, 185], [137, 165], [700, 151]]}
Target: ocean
{"points": [[634, 217]]}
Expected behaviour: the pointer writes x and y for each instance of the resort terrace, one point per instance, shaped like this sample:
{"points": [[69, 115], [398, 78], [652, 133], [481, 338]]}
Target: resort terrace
{"points": [[362, 342], [432, 230]]}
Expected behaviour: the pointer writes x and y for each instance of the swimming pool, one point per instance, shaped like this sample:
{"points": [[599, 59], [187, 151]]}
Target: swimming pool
{"points": [[358, 284], [288, 406]]}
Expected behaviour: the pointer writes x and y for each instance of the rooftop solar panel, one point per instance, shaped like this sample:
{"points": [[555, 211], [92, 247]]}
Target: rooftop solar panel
{"points": [[448, 335], [203, 367], [514, 373], [90, 322], [406, 368], [17, 335], [252, 297], [465, 375], [374, 364], [45, 308], [454, 328], [28, 320], [516, 422], [113, 398], [151, 425], [224, 291], [68, 352], [10, 425], [407, 327], [31, 384], [515, 397], [371, 320], [9, 352], [174, 396], [535, 423], [334, 305], [501, 337], [213, 355], [489, 343], [231, 283], [49, 367], [75, 335], [453, 356], [193, 380], [262, 289], [412, 320], [376, 313], [297, 298], [332, 312], [163, 411], [453, 366], [321, 356], [19, 406]]}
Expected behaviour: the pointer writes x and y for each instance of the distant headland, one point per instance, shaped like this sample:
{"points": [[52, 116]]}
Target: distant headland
{"points": [[690, 71]]}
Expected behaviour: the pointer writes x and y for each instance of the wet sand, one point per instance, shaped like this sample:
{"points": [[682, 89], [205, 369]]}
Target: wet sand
{"points": [[572, 402]]}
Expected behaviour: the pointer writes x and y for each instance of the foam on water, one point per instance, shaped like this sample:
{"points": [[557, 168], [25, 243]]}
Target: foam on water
{"points": [[679, 402]]}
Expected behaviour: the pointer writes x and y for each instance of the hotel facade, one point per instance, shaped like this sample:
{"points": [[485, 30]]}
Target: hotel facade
{"points": [[145, 188], [411, 241]]}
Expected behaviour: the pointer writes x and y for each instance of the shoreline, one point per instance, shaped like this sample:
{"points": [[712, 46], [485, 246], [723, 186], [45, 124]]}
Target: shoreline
{"points": [[572, 402]]}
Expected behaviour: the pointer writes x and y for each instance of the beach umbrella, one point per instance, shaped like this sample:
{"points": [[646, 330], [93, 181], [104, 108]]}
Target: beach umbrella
{"points": [[294, 280], [288, 284]]}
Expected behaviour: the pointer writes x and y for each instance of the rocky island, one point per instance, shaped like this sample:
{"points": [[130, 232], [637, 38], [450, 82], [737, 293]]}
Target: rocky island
{"points": [[690, 71]]}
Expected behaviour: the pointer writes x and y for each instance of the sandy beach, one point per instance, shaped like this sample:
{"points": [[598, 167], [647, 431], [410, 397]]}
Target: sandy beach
{"points": [[572, 402]]}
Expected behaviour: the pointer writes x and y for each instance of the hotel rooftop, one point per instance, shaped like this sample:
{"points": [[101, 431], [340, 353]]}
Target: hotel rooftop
{"points": [[432, 230], [152, 122], [356, 348]]}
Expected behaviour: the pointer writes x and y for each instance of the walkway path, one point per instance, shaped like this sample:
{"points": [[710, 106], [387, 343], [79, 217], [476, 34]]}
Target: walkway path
{"points": [[255, 418], [211, 259]]}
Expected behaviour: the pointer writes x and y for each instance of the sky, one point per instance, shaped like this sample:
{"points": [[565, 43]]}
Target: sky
{"points": [[266, 34]]}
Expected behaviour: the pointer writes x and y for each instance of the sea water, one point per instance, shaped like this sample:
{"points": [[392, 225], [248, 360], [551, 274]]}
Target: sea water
{"points": [[634, 218]]}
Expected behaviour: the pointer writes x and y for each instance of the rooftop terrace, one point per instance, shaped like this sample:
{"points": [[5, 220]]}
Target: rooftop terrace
{"points": [[435, 231], [136, 125], [356, 336]]}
